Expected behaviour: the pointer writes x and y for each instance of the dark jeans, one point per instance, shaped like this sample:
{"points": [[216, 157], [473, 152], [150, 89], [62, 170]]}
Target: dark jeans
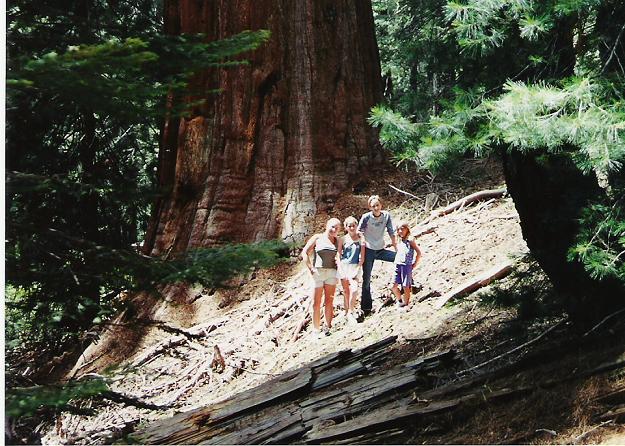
{"points": [[371, 255]]}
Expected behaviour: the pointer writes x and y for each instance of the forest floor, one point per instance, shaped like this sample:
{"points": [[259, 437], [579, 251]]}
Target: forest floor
{"points": [[255, 327]]}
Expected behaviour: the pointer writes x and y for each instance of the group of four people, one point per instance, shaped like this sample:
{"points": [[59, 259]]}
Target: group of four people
{"points": [[350, 259]]}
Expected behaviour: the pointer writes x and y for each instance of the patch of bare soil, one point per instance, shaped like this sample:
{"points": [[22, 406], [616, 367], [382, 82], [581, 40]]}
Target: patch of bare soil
{"points": [[232, 340]]}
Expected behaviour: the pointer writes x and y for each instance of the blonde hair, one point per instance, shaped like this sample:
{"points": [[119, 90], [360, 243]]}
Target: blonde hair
{"points": [[350, 219], [402, 224], [372, 199], [332, 222]]}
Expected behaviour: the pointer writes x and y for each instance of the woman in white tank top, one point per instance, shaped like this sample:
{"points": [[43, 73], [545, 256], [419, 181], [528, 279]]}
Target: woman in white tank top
{"points": [[327, 247]]}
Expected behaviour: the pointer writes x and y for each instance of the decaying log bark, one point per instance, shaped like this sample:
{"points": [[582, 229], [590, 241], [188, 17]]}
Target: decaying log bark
{"points": [[351, 396]]}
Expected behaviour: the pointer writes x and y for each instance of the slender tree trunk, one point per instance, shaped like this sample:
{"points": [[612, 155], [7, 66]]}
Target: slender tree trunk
{"points": [[286, 135]]}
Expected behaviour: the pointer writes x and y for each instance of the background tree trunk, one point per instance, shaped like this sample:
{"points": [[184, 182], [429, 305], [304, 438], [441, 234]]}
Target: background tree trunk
{"points": [[550, 192], [287, 133]]}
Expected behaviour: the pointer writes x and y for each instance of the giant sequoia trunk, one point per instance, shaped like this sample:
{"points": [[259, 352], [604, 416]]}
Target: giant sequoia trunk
{"points": [[287, 133], [284, 137]]}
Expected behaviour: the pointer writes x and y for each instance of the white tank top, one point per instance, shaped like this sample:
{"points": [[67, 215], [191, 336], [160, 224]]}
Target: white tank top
{"points": [[325, 252]]}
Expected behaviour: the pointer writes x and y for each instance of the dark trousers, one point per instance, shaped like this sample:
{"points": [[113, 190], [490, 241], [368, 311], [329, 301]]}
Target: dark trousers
{"points": [[371, 255]]}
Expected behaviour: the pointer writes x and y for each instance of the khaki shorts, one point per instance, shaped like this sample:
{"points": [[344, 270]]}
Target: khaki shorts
{"points": [[325, 276]]}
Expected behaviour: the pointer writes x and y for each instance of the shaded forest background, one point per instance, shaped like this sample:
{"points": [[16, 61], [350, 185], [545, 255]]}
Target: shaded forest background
{"points": [[91, 84]]}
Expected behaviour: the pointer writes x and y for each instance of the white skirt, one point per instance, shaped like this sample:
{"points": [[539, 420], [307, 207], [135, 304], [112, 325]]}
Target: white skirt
{"points": [[350, 271]]}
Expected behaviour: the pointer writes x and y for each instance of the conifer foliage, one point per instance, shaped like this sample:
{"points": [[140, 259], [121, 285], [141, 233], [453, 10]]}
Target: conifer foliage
{"points": [[88, 83], [539, 81]]}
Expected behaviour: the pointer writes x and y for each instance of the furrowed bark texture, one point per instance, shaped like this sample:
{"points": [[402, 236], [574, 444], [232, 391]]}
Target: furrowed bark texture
{"points": [[287, 133]]}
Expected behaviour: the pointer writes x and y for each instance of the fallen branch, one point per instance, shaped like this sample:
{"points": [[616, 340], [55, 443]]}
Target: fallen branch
{"points": [[475, 284], [131, 401], [590, 431], [201, 371], [159, 324], [477, 196], [604, 320], [87, 363], [303, 323], [516, 349], [207, 327], [179, 331], [179, 377], [423, 231], [402, 191], [159, 348], [272, 317]]}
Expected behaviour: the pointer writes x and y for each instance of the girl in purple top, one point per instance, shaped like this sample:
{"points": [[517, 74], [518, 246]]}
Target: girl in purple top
{"points": [[408, 254]]}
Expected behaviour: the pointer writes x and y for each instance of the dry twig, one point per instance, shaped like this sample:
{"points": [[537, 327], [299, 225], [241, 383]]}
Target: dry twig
{"points": [[516, 349]]}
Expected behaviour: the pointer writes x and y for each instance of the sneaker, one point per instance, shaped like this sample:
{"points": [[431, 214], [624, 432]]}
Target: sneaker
{"points": [[400, 304], [388, 300], [327, 331], [358, 315], [317, 334]]}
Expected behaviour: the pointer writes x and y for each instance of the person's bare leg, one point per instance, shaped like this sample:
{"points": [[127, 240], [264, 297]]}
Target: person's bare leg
{"points": [[346, 295], [317, 308], [354, 289], [329, 303], [407, 295], [396, 293]]}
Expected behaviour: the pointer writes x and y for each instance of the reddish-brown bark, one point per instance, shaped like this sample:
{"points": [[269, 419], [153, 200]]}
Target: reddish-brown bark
{"points": [[287, 133]]}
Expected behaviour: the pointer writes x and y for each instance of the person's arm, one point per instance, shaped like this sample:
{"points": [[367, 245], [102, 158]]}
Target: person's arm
{"points": [[417, 252], [363, 249], [339, 250], [306, 251], [362, 224], [391, 232]]}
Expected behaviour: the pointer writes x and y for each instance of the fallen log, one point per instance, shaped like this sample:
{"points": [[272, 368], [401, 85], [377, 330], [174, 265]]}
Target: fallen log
{"points": [[477, 196], [200, 424], [375, 421], [283, 424], [475, 284]]}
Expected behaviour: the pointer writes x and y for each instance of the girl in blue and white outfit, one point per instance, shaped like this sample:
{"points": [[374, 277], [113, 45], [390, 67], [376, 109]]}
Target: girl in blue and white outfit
{"points": [[408, 254], [328, 248], [350, 267]]}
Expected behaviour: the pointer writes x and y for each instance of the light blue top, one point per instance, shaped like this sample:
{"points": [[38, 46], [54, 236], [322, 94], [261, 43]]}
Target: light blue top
{"points": [[351, 250]]}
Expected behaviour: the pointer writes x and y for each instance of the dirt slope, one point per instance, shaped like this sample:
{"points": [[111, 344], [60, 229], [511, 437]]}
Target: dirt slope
{"points": [[255, 324]]}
